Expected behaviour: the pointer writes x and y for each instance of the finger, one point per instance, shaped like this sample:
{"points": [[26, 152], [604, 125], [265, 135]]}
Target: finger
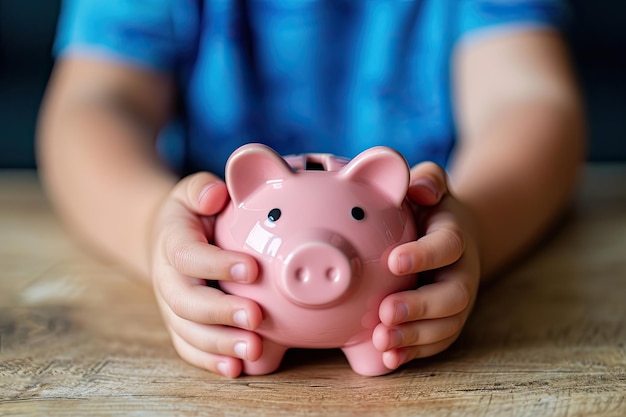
{"points": [[202, 193], [218, 364], [422, 332], [440, 247], [186, 247], [192, 256], [428, 184], [443, 298], [220, 340], [395, 357], [193, 300]]}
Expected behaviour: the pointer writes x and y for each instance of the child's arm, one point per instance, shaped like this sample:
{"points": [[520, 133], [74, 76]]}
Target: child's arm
{"points": [[96, 154], [98, 162], [522, 139], [516, 164]]}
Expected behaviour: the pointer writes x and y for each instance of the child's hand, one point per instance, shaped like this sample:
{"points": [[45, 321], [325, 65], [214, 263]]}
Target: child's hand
{"points": [[209, 329], [423, 322]]}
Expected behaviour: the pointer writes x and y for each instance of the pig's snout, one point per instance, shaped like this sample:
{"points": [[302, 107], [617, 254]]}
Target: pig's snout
{"points": [[318, 271]]}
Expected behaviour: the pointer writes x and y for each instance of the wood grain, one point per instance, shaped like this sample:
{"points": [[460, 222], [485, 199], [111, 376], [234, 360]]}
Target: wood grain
{"points": [[79, 337]]}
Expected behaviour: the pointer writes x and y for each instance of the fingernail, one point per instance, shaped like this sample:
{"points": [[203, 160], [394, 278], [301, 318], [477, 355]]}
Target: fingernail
{"points": [[239, 273], [394, 358], [425, 183], [405, 263], [395, 339], [205, 190], [223, 368], [241, 350], [402, 313], [241, 318]]}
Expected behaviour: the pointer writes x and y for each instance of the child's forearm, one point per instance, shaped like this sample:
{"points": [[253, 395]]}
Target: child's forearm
{"points": [[519, 178], [521, 143], [101, 173]]}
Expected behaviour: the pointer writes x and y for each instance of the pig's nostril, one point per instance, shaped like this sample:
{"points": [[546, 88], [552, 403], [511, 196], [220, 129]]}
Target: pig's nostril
{"points": [[302, 274], [332, 274]]}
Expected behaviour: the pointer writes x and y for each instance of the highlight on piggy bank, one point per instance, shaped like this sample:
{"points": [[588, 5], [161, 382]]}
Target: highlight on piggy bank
{"points": [[321, 228]]}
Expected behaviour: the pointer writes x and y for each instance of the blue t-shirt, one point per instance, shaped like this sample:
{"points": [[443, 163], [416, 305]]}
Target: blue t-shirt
{"points": [[299, 75]]}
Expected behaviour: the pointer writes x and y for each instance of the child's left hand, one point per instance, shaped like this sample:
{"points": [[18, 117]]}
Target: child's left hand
{"points": [[423, 322]]}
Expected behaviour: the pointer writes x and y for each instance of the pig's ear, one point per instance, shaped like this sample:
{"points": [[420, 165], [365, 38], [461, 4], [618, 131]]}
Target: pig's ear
{"points": [[251, 166], [382, 168]]}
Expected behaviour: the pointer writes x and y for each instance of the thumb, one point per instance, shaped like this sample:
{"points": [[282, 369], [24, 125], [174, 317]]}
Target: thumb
{"points": [[202, 193], [428, 184]]}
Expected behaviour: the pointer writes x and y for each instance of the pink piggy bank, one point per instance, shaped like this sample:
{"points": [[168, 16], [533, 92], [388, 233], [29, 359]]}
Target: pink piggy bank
{"points": [[321, 229]]}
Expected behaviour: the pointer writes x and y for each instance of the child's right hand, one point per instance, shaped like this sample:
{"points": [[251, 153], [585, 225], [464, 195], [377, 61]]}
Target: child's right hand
{"points": [[209, 329]]}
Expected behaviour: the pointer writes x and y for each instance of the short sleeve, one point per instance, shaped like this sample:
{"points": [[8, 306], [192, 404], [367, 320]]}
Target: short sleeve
{"points": [[476, 15], [158, 34]]}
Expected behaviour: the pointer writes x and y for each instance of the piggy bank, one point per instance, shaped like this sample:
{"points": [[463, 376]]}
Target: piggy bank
{"points": [[321, 229]]}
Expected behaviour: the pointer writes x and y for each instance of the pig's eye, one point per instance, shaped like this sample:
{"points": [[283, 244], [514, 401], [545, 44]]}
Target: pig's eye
{"points": [[274, 215], [358, 213]]}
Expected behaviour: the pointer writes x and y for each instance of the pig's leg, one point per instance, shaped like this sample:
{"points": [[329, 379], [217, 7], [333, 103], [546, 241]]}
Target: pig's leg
{"points": [[268, 362], [365, 359]]}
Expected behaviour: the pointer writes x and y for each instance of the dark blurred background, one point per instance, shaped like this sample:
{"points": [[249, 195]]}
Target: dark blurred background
{"points": [[597, 35]]}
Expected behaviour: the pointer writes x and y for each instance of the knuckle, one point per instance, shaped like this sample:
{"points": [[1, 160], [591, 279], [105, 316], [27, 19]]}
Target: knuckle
{"points": [[455, 241], [179, 346], [220, 312], [458, 323], [419, 310], [212, 344], [225, 346], [412, 338], [426, 259], [464, 295], [176, 302], [180, 255], [206, 361]]}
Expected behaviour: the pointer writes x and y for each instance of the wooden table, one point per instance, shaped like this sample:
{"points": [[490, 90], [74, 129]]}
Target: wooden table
{"points": [[78, 337]]}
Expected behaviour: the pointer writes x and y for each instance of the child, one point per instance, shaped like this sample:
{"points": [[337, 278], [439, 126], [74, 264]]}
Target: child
{"points": [[482, 88]]}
